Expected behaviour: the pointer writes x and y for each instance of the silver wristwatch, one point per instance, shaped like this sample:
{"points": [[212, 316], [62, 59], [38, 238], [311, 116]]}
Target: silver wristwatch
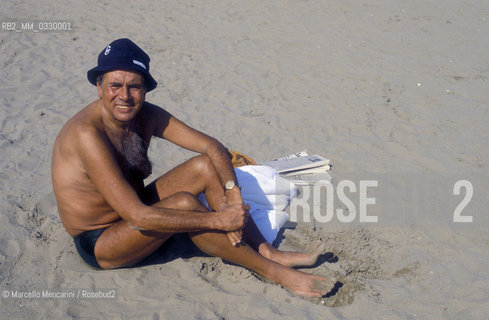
{"points": [[230, 184]]}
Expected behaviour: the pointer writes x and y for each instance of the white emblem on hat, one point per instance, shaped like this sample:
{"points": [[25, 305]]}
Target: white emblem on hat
{"points": [[107, 50], [139, 63]]}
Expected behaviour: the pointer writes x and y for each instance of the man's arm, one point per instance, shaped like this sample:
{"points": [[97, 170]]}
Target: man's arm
{"points": [[170, 128], [97, 156], [174, 130]]}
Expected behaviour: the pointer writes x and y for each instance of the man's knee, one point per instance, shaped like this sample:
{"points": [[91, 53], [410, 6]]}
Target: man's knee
{"points": [[186, 201], [203, 163], [204, 167]]}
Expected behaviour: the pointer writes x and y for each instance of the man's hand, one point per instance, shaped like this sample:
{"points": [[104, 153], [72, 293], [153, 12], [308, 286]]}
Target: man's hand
{"points": [[233, 196], [233, 218]]}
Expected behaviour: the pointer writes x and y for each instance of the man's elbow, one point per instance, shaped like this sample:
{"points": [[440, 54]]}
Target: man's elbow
{"points": [[215, 146], [138, 227], [137, 221]]}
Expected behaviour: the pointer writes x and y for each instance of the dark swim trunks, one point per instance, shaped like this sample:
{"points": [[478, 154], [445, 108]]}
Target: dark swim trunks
{"points": [[85, 245]]}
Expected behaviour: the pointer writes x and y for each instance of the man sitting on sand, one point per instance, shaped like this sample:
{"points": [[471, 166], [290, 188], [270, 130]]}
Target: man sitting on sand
{"points": [[99, 164]]}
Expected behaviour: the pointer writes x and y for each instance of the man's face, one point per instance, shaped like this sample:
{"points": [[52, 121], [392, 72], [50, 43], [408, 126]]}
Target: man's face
{"points": [[122, 94]]}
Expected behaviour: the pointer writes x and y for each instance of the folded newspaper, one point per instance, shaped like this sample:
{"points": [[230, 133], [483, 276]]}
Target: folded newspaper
{"points": [[302, 168]]}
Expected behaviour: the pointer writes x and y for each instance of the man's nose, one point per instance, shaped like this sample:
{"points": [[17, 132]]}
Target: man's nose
{"points": [[125, 93]]}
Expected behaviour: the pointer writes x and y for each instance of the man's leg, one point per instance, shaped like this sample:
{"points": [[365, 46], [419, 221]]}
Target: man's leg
{"points": [[255, 239], [266, 260], [300, 283], [198, 175], [120, 245], [195, 176]]}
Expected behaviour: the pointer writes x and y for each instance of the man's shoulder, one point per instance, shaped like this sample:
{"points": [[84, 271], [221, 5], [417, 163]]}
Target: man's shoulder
{"points": [[85, 122], [86, 118], [150, 110], [153, 116]]}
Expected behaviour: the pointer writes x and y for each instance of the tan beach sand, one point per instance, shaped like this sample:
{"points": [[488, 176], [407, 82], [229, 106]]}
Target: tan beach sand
{"points": [[389, 91]]}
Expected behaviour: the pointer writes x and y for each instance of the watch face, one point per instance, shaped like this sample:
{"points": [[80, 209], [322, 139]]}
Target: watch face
{"points": [[229, 185]]}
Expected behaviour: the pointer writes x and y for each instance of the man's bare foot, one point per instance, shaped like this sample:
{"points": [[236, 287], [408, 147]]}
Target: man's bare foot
{"points": [[305, 284], [299, 259]]}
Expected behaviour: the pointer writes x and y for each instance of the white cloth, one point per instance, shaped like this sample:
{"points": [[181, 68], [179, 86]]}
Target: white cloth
{"points": [[268, 194]]}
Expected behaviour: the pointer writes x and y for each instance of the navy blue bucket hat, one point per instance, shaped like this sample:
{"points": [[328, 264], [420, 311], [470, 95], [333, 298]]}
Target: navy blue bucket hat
{"points": [[123, 54]]}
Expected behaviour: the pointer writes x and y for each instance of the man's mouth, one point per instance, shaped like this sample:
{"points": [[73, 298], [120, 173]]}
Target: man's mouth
{"points": [[123, 106]]}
